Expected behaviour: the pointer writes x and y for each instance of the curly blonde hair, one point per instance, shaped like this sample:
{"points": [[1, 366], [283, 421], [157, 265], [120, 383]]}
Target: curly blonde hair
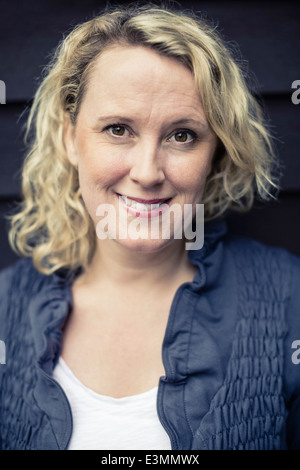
{"points": [[52, 225]]}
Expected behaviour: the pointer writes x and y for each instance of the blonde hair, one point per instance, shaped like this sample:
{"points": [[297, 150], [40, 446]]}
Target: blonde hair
{"points": [[53, 226]]}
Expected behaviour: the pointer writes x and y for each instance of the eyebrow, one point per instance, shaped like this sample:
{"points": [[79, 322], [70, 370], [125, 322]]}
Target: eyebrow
{"points": [[114, 119], [187, 121], [178, 122]]}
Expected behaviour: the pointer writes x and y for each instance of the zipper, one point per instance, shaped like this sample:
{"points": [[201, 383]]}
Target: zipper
{"points": [[161, 416], [169, 373]]}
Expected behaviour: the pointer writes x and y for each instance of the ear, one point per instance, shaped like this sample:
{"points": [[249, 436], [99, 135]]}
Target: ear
{"points": [[69, 141]]}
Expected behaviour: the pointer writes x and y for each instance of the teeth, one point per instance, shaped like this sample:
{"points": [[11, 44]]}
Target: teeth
{"points": [[140, 206]]}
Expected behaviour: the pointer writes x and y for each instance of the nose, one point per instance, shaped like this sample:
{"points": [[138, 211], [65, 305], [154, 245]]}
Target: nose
{"points": [[147, 164]]}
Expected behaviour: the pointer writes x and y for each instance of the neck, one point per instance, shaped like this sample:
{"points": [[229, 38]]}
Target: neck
{"points": [[119, 265]]}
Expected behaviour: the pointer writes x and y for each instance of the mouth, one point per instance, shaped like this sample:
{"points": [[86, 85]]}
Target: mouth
{"points": [[144, 207]]}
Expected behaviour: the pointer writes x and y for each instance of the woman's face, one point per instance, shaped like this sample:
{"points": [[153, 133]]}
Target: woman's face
{"points": [[141, 136]]}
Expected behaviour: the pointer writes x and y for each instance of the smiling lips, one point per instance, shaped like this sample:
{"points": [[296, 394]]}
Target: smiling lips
{"points": [[147, 208]]}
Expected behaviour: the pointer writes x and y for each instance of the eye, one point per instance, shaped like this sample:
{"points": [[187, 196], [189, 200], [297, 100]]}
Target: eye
{"points": [[183, 136], [117, 130]]}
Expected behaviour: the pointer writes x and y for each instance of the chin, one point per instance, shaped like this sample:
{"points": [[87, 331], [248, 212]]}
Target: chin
{"points": [[144, 246]]}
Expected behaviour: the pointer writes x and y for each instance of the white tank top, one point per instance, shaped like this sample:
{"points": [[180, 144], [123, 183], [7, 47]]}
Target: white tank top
{"points": [[105, 423]]}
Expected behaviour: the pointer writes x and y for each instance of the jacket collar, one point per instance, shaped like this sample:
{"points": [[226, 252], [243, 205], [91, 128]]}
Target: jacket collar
{"points": [[208, 259], [49, 308]]}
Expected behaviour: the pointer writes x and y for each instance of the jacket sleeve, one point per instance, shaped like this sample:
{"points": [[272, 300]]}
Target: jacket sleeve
{"points": [[292, 359]]}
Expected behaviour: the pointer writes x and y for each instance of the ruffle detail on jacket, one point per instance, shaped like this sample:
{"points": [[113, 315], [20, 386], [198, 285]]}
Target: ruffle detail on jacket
{"points": [[34, 341], [48, 311], [248, 411]]}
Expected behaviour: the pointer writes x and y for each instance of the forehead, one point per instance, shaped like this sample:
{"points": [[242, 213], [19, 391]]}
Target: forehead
{"points": [[138, 78]]}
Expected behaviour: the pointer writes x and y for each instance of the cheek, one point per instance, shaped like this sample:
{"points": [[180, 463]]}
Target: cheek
{"points": [[98, 165], [190, 178], [98, 173]]}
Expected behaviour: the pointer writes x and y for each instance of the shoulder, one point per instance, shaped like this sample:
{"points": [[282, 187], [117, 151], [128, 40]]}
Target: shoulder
{"points": [[23, 279], [266, 274], [249, 245], [19, 275], [19, 283], [247, 252], [29, 297], [261, 258]]}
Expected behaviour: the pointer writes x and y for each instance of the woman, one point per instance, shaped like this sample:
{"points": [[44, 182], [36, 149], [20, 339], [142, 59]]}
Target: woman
{"points": [[132, 341]]}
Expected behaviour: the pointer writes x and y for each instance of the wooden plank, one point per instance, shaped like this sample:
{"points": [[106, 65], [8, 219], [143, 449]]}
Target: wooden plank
{"points": [[7, 256], [285, 126], [11, 149], [267, 33]]}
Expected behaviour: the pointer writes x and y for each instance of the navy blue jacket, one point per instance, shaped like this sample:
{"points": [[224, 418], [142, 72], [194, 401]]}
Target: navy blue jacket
{"points": [[232, 373]]}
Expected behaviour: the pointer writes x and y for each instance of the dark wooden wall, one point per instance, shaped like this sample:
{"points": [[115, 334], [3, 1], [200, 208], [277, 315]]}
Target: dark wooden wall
{"points": [[268, 35]]}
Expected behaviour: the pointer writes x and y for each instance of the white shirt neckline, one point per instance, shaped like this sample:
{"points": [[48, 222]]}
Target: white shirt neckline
{"points": [[98, 396], [101, 422]]}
